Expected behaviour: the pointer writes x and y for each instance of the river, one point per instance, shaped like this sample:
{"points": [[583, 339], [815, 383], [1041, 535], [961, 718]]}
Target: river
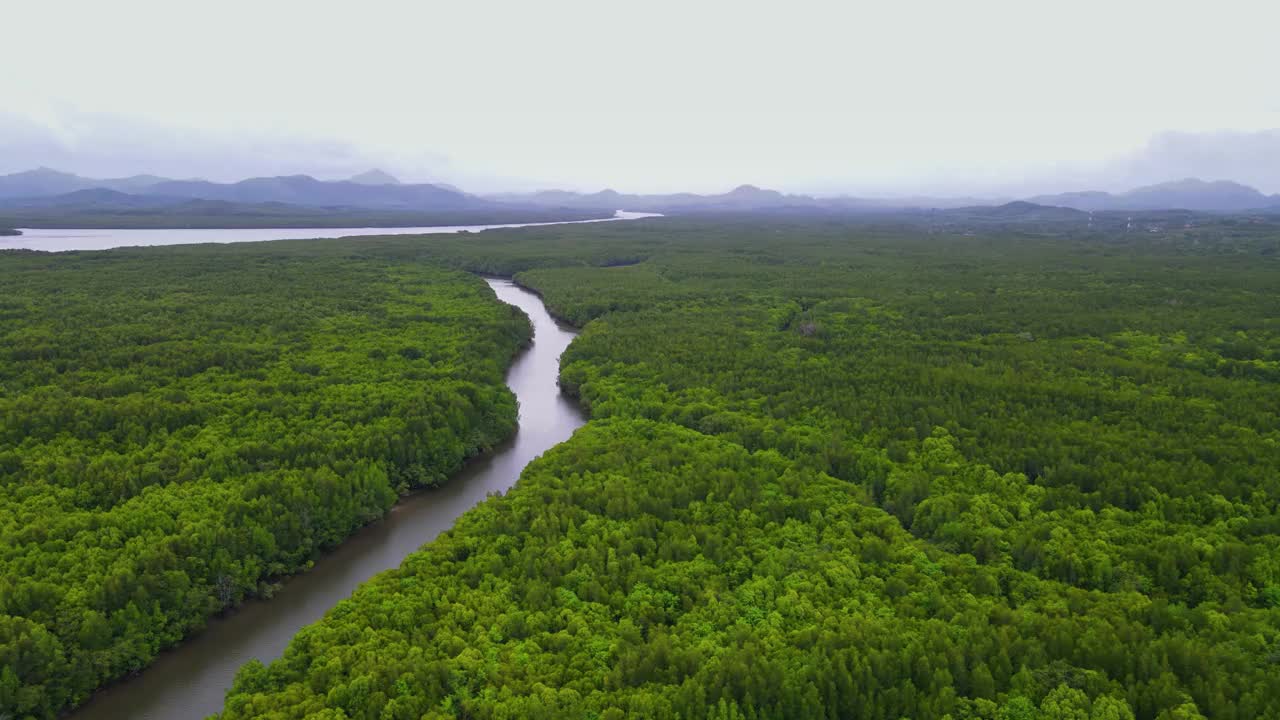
{"points": [[190, 680], [62, 240]]}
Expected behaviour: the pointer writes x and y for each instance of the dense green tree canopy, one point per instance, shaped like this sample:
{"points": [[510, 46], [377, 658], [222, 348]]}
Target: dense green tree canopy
{"points": [[841, 471], [178, 426], [833, 470], [643, 569]]}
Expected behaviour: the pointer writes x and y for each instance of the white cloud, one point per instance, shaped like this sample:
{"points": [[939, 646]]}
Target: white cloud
{"points": [[892, 97]]}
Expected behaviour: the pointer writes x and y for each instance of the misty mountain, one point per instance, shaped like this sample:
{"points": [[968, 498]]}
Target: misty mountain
{"points": [[1021, 211], [133, 184], [378, 190], [371, 190], [1193, 194], [743, 197], [307, 191], [374, 177], [97, 197], [1188, 194], [44, 182], [39, 198], [40, 182], [1086, 200]]}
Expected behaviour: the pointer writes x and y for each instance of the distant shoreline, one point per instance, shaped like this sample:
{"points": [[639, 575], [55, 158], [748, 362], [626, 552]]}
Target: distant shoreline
{"points": [[91, 239], [160, 221]]}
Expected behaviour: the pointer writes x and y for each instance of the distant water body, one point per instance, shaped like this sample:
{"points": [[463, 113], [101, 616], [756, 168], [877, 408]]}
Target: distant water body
{"points": [[54, 240]]}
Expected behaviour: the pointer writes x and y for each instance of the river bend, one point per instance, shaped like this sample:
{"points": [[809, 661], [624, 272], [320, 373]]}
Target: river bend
{"points": [[190, 680]]}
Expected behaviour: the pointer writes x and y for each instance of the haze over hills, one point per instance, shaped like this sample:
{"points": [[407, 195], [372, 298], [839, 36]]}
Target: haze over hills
{"points": [[743, 197], [1187, 194], [376, 190], [46, 198], [308, 191], [94, 197], [374, 177], [43, 182], [1024, 211]]}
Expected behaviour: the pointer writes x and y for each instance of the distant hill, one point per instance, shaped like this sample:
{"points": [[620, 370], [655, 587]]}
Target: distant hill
{"points": [[41, 182], [100, 198], [31, 199], [1088, 201], [135, 183], [374, 177], [378, 190], [1022, 210], [1188, 194], [1193, 194], [308, 191], [44, 182], [371, 190], [743, 197]]}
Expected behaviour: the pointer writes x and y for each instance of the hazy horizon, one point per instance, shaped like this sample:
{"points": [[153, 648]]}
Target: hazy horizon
{"points": [[1010, 99]]}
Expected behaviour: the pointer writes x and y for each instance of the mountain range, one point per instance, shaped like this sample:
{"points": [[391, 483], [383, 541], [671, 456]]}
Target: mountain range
{"points": [[371, 190], [44, 182], [376, 190], [1188, 194], [743, 197]]}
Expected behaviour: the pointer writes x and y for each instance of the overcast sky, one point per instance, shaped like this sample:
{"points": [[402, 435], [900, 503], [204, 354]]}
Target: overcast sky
{"points": [[870, 98]]}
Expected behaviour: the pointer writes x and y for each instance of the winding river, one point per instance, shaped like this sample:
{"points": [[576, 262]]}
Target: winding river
{"points": [[190, 680]]}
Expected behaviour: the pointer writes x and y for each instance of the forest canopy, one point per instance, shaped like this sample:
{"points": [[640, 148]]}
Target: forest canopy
{"points": [[832, 470], [845, 471], [180, 426]]}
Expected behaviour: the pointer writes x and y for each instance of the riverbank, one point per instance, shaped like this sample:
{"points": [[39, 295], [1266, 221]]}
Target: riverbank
{"points": [[191, 678]]}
